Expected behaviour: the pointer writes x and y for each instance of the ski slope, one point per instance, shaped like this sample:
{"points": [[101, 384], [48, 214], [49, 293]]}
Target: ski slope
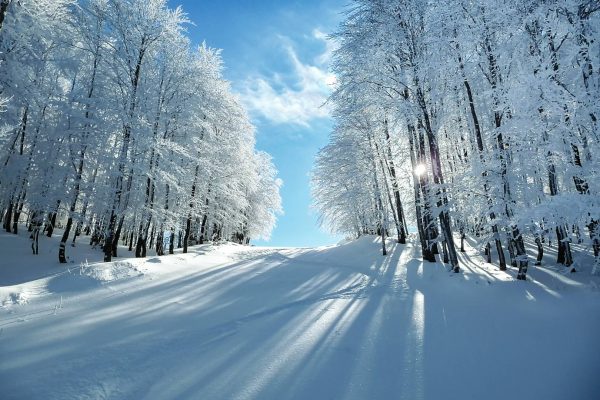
{"points": [[339, 322]]}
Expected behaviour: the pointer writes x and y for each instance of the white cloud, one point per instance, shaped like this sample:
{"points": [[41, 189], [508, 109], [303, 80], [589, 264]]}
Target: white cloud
{"points": [[297, 100], [330, 47]]}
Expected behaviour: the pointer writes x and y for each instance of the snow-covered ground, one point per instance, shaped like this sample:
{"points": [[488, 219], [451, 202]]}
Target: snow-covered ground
{"points": [[340, 322]]}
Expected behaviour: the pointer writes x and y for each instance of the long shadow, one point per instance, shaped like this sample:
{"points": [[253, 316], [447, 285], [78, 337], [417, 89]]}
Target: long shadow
{"points": [[285, 325], [348, 324], [288, 319]]}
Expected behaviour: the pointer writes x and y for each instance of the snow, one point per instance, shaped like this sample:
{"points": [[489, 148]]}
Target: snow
{"points": [[338, 322]]}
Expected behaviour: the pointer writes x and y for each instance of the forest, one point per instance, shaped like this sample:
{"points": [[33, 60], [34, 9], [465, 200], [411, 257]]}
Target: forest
{"points": [[114, 126], [455, 163], [467, 119]]}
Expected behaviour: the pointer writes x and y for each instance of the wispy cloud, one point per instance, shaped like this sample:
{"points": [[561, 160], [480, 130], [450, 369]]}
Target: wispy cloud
{"points": [[299, 99], [330, 47]]}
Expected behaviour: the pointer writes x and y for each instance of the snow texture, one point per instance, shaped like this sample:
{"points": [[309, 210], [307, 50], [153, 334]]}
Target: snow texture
{"points": [[339, 322]]}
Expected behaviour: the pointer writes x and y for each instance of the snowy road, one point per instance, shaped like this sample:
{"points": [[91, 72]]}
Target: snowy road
{"points": [[233, 322]]}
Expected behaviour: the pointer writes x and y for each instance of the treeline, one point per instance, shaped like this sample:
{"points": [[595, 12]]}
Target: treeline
{"points": [[475, 118], [113, 125]]}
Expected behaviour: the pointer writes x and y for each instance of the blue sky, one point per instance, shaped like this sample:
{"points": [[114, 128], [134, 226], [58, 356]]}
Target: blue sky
{"points": [[276, 56]]}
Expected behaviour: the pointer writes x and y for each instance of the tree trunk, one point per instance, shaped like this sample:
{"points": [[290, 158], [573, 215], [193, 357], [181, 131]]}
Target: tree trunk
{"points": [[171, 241], [540, 250], [188, 225], [8, 217], [382, 226], [203, 227], [186, 237], [140, 245], [445, 252], [397, 224], [52, 220], [160, 243], [115, 241], [17, 215], [110, 247], [480, 148], [521, 255], [62, 257], [151, 236], [131, 241], [3, 9], [425, 249], [395, 188], [35, 235], [438, 178], [108, 236], [76, 233]]}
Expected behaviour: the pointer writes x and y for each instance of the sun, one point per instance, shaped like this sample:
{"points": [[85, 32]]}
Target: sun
{"points": [[420, 169]]}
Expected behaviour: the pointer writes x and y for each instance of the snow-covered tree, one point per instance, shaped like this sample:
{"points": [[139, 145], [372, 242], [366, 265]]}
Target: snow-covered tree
{"points": [[493, 107], [114, 125]]}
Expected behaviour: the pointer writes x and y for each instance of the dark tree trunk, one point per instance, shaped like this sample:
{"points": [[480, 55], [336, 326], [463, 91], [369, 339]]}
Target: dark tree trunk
{"points": [[188, 224], [186, 237], [77, 233], [203, 227], [17, 215], [493, 77], [131, 242], [115, 241], [564, 255], [3, 9], [595, 236], [52, 220], [511, 251], [540, 251], [431, 230], [382, 230], [395, 188], [108, 237], [32, 218], [387, 190], [62, 257], [381, 219], [141, 241], [151, 244], [580, 184], [8, 217], [499, 250], [521, 255], [35, 235], [517, 239], [445, 252], [159, 243], [425, 249], [594, 228], [110, 246], [480, 148], [438, 178], [171, 241]]}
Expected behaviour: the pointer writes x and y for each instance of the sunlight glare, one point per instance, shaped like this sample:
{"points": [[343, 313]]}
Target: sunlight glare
{"points": [[420, 169]]}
